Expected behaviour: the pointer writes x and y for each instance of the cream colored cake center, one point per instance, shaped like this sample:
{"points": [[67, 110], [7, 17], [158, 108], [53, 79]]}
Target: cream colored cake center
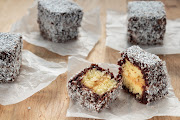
{"points": [[98, 81], [133, 78]]}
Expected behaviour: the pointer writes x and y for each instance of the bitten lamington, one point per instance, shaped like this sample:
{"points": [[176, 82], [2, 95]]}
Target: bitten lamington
{"points": [[146, 22], [10, 56], [143, 74], [59, 20], [94, 88]]}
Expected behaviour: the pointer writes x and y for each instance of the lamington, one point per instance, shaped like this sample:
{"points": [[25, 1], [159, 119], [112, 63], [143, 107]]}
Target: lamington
{"points": [[143, 74], [146, 22], [10, 56], [94, 88], [59, 20]]}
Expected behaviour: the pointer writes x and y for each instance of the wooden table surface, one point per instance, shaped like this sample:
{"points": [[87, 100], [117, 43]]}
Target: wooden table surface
{"points": [[51, 103]]}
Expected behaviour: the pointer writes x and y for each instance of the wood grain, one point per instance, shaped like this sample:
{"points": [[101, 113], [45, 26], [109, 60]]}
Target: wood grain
{"points": [[51, 103]]}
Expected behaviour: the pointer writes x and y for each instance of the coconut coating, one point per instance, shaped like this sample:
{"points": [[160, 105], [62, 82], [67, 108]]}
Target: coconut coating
{"points": [[10, 56], [59, 19], [146, 22]]}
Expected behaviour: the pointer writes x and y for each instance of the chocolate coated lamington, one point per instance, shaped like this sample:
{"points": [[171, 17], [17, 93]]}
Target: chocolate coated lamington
{"points": [[143, 74], [146, 22], [10, 56], [94, 88], [59, 19]]}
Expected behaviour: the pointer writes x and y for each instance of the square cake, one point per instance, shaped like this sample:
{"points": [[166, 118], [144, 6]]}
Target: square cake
{"points": [[59, 19], [10, 56], [146, 22], [143, 74], [94, 88]]}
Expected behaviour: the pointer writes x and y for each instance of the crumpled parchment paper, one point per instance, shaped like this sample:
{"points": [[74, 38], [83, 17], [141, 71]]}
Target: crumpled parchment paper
{"points": [[35, 74], [125, 107], [116, 30], [89, 33]]}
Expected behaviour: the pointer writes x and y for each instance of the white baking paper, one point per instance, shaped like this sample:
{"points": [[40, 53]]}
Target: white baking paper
{"points": [[116, 30], [89, 33], [35, 74], [125, 107]]}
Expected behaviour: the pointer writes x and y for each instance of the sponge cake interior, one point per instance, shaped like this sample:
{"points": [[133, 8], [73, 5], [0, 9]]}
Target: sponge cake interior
{"points": [[98, 81], [133, 79]]}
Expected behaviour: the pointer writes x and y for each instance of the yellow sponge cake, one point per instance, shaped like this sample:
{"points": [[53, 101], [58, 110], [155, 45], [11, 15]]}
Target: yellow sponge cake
{"points": [[98, 81], [133, 78]]}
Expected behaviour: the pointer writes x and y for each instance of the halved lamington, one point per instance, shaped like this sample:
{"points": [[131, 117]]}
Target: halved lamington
{"points": [[146, 22], [94, 88], [143, 74], [59, 20], [10, 56]]}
